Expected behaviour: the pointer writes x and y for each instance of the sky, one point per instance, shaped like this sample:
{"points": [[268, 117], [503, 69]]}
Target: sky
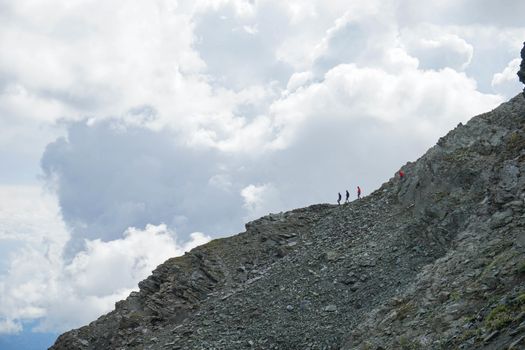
{"points": [[135, 130]]}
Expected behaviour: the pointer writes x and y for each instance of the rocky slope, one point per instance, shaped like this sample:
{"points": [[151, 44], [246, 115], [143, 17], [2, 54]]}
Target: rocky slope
{"points": [[433, 261]]}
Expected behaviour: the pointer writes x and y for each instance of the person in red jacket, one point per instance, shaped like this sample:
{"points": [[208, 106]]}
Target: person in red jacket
{"points": [[401, 174], [358, 192]]}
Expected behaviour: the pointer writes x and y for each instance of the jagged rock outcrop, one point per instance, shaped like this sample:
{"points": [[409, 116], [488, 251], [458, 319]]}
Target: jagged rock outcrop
{"points": [[521, 72], [433, 261]]}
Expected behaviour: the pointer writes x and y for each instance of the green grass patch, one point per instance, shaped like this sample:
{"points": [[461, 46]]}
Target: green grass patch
{"points": [[458, 155], [470, 333], [516, 142], [521, 268], [455, 295], [439, 196], [498, 317], [404, 310], [407, 344]]}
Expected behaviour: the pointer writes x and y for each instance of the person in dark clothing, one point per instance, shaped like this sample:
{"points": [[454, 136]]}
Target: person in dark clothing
{"points": [[521, 72], [358, 192], [347, 196], [339, 198]]}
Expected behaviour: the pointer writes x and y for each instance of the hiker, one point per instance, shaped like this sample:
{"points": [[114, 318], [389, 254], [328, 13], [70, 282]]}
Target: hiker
{"points": [[358, 192], [347, 196], [339, 198], [401, 174]]}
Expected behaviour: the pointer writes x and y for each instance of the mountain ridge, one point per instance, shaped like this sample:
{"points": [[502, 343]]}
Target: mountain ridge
{"points": [[435, 260]]}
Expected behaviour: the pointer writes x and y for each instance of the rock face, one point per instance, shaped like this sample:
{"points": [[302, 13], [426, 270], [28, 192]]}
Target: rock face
{"points": [[433, 261], [521, 72]]}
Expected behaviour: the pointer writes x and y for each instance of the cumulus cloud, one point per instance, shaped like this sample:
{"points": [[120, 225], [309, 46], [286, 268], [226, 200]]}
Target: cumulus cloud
{"points": [[29, 214], [360, 36], [259, 200], [38, 285], [9, 327], [108, 271], [110, 175], [494, 47], [504, 13], [505, 82], [19, 123], [409, 103], [106, 65], [246, 39], [68, 61], [138, 252], [298, 80], [437, 49]]}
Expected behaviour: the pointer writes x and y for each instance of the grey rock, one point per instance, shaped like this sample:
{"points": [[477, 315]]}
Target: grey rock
{"points": [[501, 218], [331, 255], [490, 336], [518, 330], [355, 286], [518, 343], [330, 308], [516, 204]]}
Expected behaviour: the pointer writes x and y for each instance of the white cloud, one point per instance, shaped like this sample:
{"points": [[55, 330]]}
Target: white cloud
{"points": [[9, 327], [105, 64], [103, 188], [97, 271], [298, 80], [436, 49], [361, 37], [505, 13], [505, 82], [251, 29], [167, 55], [222, 181], [108, 271], [252, 195], [423, 103], [260, 200], [39, 285], [32, 235]]}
